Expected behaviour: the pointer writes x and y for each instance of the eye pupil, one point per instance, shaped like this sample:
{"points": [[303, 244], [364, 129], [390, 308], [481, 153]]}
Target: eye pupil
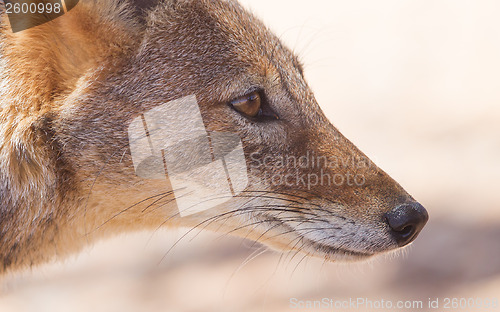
{"points": [[253, 97]]}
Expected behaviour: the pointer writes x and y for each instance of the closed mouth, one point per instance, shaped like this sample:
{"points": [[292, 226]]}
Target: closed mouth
{"points": [[317, 249], [330, 252]]}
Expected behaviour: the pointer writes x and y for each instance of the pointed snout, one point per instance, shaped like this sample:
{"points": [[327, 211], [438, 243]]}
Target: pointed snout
{"points": [[406, 221]]}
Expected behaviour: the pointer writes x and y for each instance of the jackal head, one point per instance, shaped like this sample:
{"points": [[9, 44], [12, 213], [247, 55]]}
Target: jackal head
{"points": [[72, 88]]}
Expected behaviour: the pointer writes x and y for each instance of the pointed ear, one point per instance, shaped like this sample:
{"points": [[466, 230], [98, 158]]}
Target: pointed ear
{"points": [[45, 61]]}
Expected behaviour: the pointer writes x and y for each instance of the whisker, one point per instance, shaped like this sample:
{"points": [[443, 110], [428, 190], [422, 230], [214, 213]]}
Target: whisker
{"points": [[306, 254], [163, 195], [255, 254], [92, 187], [282, 193]]}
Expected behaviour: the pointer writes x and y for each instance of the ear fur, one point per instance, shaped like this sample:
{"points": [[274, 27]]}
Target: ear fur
{"points": [[41, 66], [48, 59]]}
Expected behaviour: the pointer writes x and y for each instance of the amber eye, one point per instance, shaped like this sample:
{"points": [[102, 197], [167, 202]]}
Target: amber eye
{"points": [[248, 105]]}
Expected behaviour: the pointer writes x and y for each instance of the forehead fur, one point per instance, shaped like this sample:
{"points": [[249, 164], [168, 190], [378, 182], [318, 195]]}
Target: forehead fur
{"points": [[206, 36]]}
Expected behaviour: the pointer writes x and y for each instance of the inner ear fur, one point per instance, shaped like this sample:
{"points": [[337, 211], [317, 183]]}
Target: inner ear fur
{"points": [[44, 62]]}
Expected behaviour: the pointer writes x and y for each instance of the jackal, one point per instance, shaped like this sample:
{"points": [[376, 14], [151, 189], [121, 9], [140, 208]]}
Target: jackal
{"points": [[72, 88]]}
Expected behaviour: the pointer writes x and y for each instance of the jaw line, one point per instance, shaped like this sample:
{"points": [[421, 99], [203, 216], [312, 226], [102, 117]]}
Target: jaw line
{"points": [[315, 249], [335, 253]]}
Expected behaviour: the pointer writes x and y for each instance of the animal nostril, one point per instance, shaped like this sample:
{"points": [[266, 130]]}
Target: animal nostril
{"points": [[407, 230], [406, 221]]}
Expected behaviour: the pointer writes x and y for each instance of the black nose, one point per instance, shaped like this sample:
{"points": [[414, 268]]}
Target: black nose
{"points": [[406, 221]]}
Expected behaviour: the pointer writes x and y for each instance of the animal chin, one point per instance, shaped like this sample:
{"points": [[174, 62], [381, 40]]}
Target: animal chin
{"points": [[291, 240], [336, 253]]}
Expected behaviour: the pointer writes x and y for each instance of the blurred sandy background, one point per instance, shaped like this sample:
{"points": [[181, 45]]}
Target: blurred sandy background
{"points": [[416, 85]]}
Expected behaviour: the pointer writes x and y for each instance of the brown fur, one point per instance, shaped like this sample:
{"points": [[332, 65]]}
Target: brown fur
{"points": [[69, 89]]}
